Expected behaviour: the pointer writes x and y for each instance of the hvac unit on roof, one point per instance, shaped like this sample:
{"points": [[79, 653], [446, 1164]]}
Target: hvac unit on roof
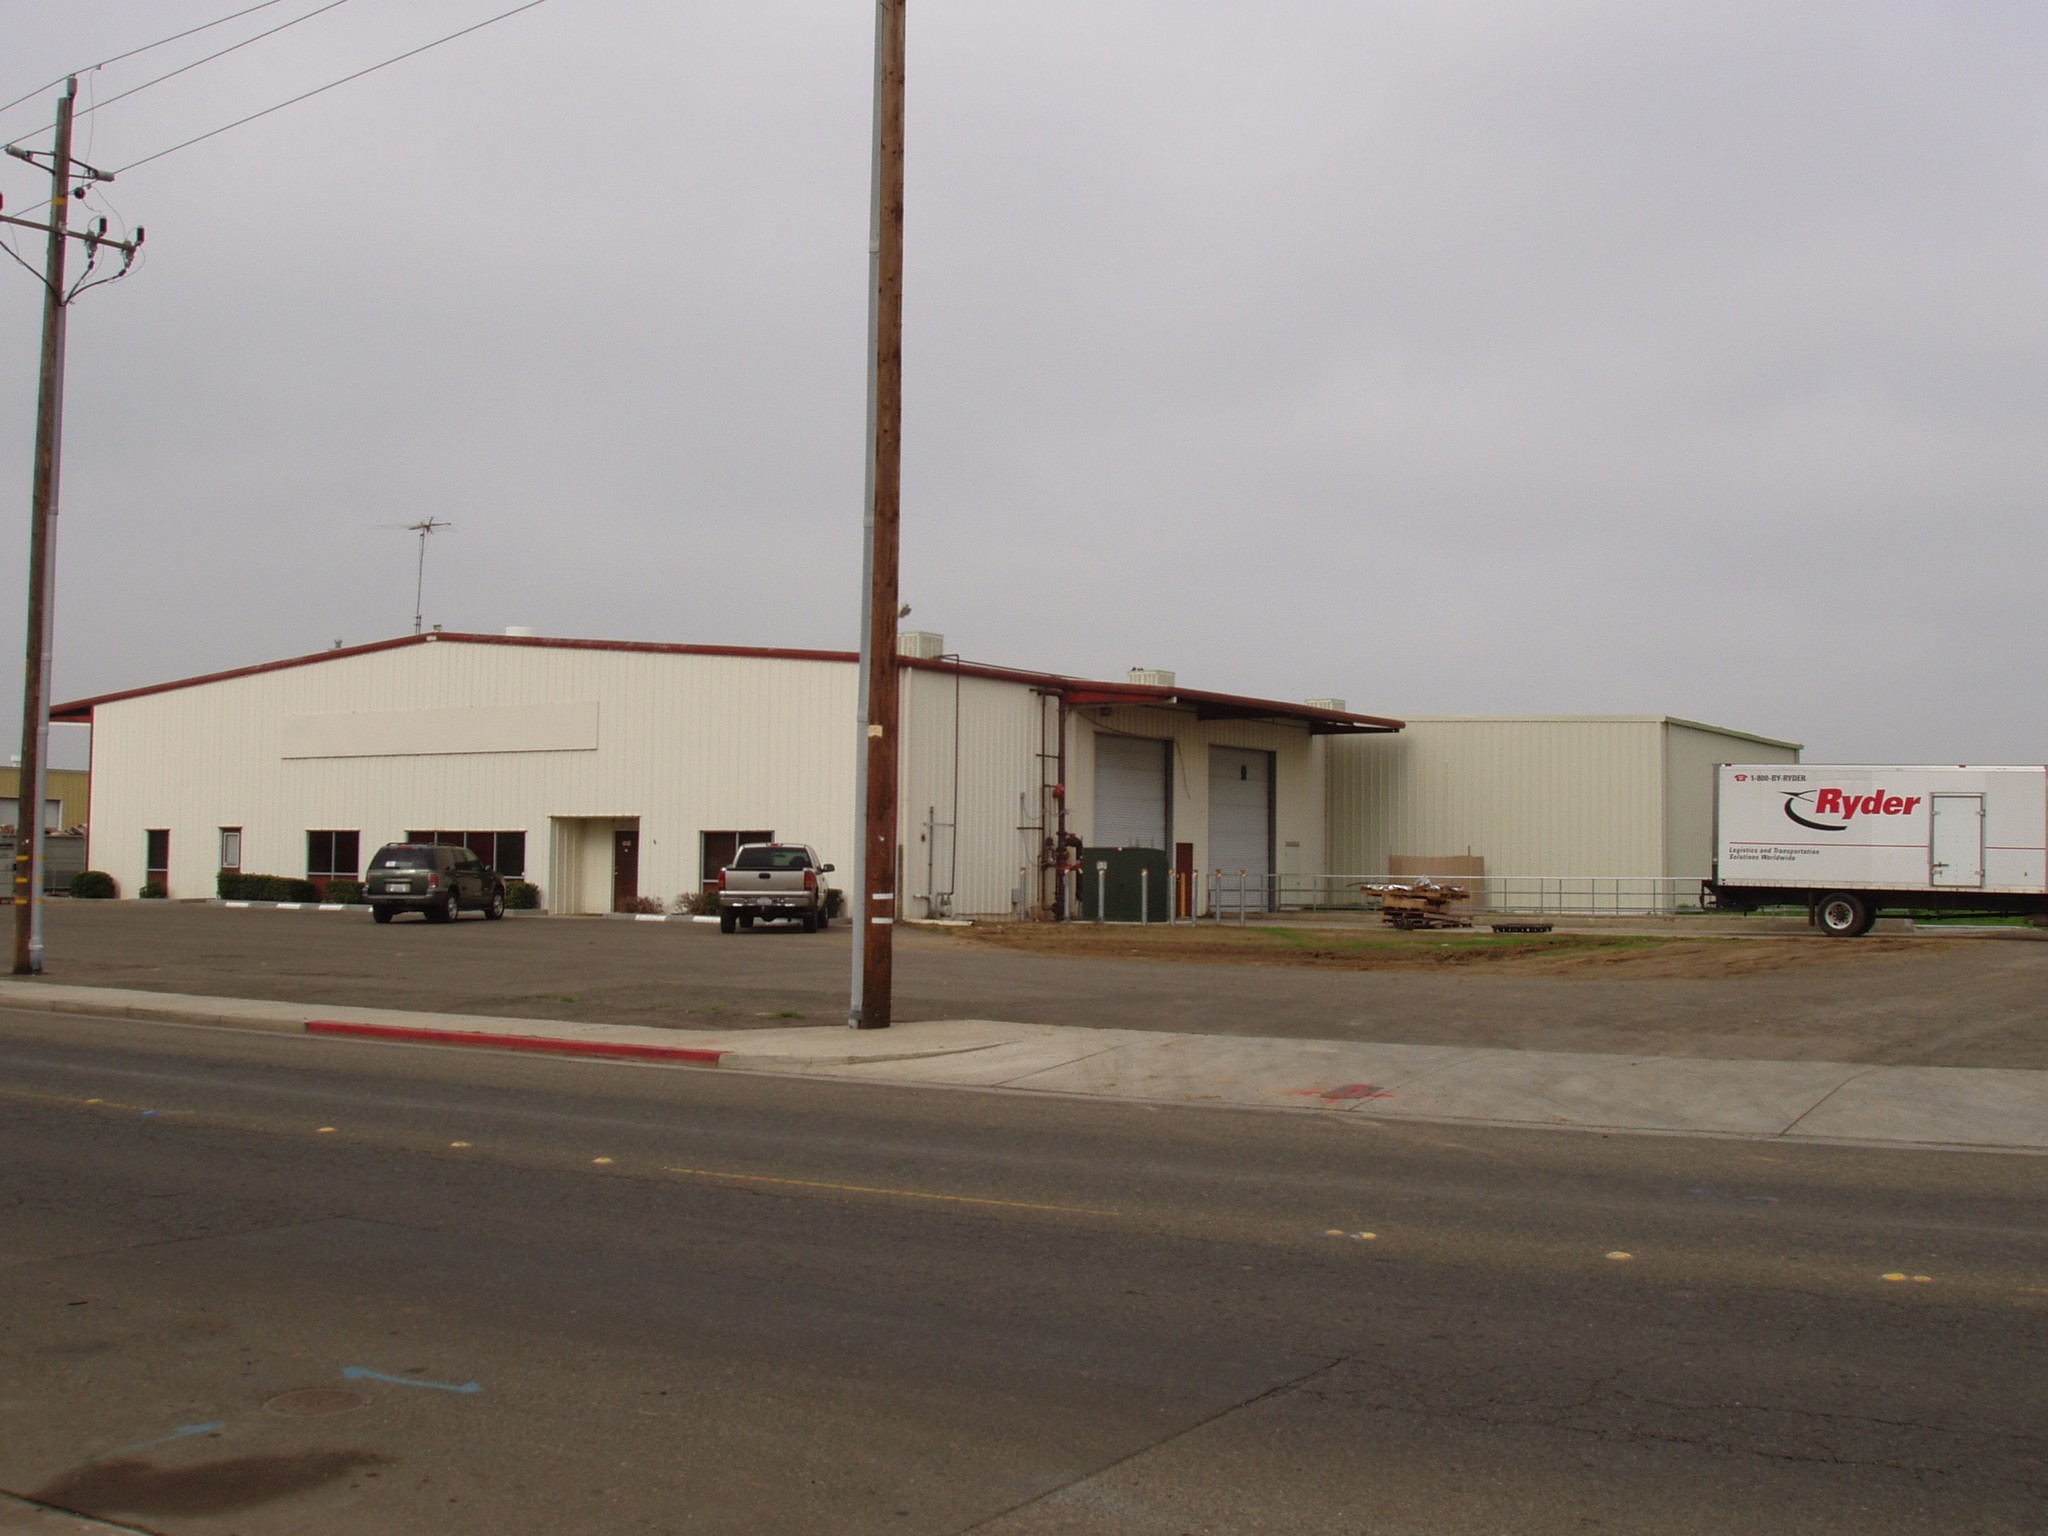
{"points": [[1152, 677]]}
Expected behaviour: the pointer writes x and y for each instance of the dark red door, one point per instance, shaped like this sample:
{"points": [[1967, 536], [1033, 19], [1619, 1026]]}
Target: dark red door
{"points": [[625, 870]]}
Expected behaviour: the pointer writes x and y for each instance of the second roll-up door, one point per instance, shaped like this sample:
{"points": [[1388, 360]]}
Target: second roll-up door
{"points": [[1241, 826]]}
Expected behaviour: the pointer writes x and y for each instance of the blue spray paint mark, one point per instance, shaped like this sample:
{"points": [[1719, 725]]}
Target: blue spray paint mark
{"points": [[149, 1112], [183, 1431], [364, 1373]]}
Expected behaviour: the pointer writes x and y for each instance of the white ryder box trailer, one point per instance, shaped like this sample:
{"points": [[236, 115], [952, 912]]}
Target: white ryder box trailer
{"points": [[1849, 841]]}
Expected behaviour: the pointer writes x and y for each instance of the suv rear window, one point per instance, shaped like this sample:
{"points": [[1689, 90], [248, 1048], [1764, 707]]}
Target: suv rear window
{"points": [[759, 857], [403, 858]]}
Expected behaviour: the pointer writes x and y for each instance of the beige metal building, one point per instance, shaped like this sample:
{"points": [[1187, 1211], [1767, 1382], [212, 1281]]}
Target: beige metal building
{"points": [[610, 772], [1549, 811], [67, 797]]}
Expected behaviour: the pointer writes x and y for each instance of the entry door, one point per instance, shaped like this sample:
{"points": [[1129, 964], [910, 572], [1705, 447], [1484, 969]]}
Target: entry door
{"points": [[625, 870], [1241, 824], [1130, 792], [1957, 853]]}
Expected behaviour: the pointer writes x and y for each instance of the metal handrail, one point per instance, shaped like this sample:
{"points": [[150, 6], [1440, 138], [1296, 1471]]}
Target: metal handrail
{"points": [[1233, 894]]}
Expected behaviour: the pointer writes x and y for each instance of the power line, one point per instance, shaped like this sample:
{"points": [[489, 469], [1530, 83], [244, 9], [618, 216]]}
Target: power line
{"points": [[331, 85], [223, 53], [145, 48]]}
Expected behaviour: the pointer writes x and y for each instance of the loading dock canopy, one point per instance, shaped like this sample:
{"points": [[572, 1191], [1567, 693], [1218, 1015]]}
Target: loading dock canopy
{"points": [[1224, 706], [1206, 706]]}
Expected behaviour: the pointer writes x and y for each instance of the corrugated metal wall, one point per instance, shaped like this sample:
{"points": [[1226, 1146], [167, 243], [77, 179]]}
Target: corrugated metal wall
{"points": [[996, 727], [1627, 796], [1691, 754]]}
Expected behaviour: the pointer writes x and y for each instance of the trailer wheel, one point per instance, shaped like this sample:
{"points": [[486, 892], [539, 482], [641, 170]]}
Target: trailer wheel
{"points": [[1844, 915]]}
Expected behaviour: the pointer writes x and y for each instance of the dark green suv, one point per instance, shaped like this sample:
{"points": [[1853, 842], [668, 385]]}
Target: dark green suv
{"points": [[434, 880]]}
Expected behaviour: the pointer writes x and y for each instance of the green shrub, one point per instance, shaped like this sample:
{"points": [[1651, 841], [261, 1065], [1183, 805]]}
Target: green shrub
{"points": [[521, 896], [152, 890], [235, 886], [94, 885], [348, 892]]}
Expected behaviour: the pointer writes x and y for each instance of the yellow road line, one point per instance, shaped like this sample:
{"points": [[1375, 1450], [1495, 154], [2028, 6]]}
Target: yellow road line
{"points": [[870, 1189]]}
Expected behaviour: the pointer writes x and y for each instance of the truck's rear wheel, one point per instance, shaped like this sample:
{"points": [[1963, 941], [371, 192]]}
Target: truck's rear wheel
{"points": [[1843, 915], [809, 920], [728, 922]]}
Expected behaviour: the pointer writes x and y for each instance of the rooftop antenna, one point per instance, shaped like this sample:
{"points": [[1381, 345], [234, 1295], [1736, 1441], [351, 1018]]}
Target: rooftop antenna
{"points": [[422, 528]]}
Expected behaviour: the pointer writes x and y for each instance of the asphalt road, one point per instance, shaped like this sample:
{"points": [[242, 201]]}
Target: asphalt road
{"points": [[1933, 1002], [559, 1296]]}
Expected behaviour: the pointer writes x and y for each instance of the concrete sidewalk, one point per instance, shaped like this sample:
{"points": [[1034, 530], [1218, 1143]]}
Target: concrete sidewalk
{"points": [[1934, 1107]]}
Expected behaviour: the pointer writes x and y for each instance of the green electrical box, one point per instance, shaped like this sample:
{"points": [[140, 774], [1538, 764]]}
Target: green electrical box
{"points": [[1124, 883]]}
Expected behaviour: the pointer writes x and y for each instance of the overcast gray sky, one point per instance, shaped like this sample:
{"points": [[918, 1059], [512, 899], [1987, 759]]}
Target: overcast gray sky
{"points": [[1581, 356]]}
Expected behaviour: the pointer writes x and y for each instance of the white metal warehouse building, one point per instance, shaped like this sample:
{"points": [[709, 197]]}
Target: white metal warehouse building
{"points": [[605, 771], [1563, 812]]}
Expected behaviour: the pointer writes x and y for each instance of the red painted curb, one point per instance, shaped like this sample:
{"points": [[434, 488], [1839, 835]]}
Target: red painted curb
{"points": [[515, 1042]]}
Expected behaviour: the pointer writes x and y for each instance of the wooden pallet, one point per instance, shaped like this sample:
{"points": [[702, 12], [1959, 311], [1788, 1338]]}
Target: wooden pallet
{"points": [[1420, 904]]}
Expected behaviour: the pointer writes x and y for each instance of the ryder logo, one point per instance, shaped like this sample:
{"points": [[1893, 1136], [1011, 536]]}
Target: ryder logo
{"points": [[1843, 808]]}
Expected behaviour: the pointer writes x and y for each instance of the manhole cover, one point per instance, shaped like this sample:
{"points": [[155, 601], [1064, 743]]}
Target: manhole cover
{"points": [[314, 1402]]}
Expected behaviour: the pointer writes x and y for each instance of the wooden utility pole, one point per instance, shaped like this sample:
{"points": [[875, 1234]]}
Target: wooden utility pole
{"points": [[42, 538], [874, 915], [42, 560]]}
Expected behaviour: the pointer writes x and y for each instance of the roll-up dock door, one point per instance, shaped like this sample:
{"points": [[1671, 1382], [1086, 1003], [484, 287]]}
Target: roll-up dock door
{"points": [[1131, 783], [1241, 826]]}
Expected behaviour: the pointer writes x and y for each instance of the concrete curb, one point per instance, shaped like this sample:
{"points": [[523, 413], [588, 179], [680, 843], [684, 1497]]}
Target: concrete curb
{"points": [[1923, 1108], [542, 1043]]}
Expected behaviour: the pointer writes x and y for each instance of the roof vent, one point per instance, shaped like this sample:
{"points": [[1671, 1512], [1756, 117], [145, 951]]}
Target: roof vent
{"points": [[1152, 677], [921, 644], [521, 631], [1336, 704]]}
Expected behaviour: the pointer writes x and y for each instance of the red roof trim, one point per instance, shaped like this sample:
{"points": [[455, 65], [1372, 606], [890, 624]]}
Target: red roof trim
{"points": [[79, 711], [1082, 691], [1075, 690]]}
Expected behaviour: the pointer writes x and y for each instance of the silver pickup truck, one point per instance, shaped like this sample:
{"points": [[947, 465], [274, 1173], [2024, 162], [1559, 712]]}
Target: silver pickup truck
{"points": [[782, 880]]}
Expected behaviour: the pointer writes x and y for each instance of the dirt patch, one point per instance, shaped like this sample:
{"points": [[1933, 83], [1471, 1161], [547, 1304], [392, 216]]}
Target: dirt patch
{"points": [[1549, 954]]}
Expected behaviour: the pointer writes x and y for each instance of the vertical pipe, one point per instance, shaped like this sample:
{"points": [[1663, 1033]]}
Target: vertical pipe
{"points": [[1144, 897], [1101, 889]]}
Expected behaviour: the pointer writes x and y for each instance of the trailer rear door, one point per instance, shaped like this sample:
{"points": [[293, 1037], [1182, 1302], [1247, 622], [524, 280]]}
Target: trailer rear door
{"points": [[1957, 852]]}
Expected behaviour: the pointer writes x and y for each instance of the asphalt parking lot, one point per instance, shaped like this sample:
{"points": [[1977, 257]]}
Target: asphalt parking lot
{"points": [[1933, 1001]]}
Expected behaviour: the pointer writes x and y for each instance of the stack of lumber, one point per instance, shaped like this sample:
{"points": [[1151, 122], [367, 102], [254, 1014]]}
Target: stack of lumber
{"points": [[1420, 904]]}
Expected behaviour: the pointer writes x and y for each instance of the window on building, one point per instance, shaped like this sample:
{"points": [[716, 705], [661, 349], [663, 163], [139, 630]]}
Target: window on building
{"points": [[230, 847], [332, 855], [719, 850], [156, 857], [505, 852]]}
